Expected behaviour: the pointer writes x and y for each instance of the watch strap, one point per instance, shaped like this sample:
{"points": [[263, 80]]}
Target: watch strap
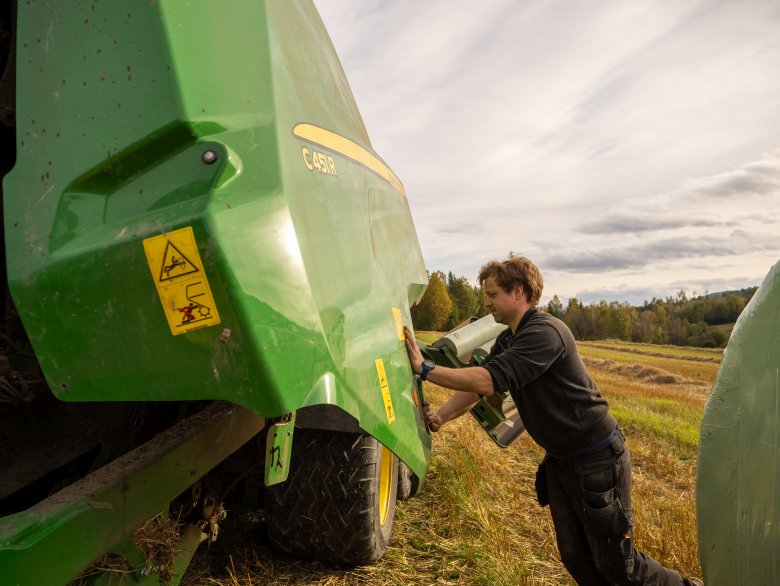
{"points": [[427, 367]]}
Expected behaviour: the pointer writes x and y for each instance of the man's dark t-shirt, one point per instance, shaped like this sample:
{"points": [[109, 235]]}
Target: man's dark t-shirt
{"points": [[539, 365]]}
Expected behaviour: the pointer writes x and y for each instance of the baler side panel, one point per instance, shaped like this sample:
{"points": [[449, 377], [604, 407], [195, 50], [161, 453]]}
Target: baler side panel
{"points": [[305, 266]]}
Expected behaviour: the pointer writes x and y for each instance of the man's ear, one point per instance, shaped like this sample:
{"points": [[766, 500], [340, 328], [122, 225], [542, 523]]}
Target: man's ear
{"points": [[519, 293]]}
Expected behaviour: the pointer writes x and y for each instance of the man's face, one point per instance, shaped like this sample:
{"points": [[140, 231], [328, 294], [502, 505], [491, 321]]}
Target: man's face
{"points": [[504, 306]]}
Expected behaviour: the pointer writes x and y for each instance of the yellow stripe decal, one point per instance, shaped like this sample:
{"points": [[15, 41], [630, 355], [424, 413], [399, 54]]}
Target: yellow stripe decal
{"points": [[349, 149], [399, 323], [385, 388]]}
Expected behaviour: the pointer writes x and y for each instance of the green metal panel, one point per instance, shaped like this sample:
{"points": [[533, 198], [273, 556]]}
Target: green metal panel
{"points": [[738, 483], [307, 240]]}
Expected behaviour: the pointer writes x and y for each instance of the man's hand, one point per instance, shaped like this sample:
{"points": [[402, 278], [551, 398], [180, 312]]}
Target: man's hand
{"points": [[432, 420], [415, 356]]}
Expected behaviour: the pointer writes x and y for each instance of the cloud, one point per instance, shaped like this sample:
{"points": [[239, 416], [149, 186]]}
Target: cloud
{"points": [[663, 229], [760, 178], [632, 295], [460, 229], [604, 138], [763, 218], [681, 208], [644, 254], [637, 295], [634, 223]]}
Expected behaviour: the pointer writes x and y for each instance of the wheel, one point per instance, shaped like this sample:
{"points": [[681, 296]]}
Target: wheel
{"points": [[408, 483], [338, 502]]}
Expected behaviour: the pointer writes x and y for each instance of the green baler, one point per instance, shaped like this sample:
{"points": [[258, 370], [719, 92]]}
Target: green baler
{"points": [[202, 251]]}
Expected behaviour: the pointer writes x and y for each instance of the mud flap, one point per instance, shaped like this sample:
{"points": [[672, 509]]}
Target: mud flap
{"points": [[278, 449]]}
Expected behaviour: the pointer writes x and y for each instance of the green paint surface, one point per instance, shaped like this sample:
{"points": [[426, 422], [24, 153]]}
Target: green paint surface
{"points": [[118, 101]]}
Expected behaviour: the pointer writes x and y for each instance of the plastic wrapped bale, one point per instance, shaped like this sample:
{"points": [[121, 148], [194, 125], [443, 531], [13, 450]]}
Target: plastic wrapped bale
{"points": [[738, 483], [462, 343]]}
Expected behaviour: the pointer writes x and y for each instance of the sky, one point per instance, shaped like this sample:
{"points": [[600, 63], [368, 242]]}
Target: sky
{"points": [[630, 148]]}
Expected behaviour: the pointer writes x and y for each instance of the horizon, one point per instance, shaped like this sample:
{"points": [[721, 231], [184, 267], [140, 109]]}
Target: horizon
{"points": [[546, 298]]}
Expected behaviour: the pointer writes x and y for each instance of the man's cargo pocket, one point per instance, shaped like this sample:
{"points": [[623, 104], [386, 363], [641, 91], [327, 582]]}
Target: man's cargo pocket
{"points": [[605, 513]]}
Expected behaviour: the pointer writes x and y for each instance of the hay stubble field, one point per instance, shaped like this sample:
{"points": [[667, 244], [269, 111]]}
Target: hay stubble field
{"points": [[477, 520]]}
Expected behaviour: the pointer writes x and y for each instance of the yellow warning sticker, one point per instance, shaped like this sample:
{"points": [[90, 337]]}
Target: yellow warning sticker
{"points": [[399, 323], [380, 370], [178, 274]]}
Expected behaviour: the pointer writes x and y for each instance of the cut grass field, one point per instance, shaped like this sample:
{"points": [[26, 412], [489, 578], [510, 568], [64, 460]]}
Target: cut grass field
{"points": [[477, 520]]}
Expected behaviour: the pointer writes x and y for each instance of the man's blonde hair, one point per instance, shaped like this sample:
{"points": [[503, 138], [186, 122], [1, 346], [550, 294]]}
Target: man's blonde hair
{"points": [[514, 271]]}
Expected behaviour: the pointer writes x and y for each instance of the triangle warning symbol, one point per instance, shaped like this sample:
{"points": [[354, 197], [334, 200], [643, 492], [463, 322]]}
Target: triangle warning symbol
{"points": [[175, 264]]}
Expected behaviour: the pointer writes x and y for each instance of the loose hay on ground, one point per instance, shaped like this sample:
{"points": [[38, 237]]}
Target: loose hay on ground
{"points": [[477, 520], [159, 540]]}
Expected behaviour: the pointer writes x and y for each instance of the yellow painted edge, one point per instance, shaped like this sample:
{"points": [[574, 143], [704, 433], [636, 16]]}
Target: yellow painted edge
{"points": [[348, 149], [380, 371], [385, 484], [399, 323]]}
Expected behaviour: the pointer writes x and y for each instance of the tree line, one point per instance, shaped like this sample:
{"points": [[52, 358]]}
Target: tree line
{"points": [[676, 320]]}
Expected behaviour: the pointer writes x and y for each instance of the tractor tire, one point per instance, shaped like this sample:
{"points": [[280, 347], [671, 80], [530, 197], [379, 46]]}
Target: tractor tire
{"points": [[408, 483], [338, 502]]}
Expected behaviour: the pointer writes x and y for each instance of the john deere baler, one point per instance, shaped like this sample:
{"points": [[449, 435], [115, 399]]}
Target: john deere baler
{"points": [[198, 234]]}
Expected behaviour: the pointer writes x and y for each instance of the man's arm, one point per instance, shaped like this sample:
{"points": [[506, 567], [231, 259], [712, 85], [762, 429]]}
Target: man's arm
{"points": [[469, 383], [472, 379], [456, 406]]}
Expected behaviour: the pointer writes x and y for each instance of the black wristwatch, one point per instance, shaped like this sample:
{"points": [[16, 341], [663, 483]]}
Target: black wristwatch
{"points": [[427, 366]]}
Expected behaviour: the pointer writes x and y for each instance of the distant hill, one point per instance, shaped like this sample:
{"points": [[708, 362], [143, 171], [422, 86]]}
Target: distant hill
{"points": [[747, 292]]}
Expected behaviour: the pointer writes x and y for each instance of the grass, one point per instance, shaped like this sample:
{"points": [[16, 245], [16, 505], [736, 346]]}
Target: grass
{"points": [[678, 362], [427, 337], [477, 521], [683, 352]]}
